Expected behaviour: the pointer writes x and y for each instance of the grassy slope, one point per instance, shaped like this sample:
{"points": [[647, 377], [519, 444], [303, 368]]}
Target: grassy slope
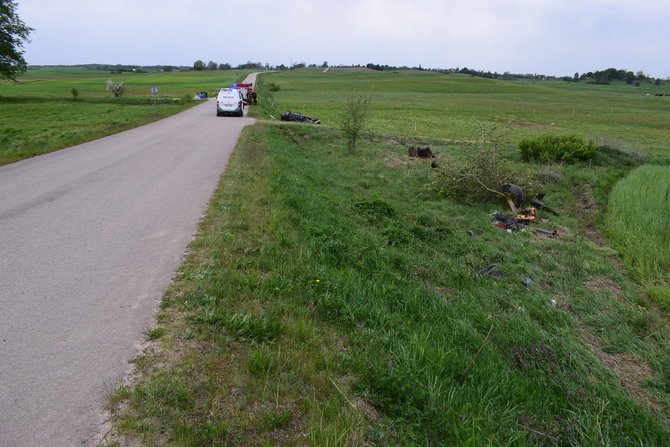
{"points": [[37, 114], [325, 302]]}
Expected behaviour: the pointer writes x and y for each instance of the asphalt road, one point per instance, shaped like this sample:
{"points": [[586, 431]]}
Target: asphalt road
{"points": [[90, 237]]}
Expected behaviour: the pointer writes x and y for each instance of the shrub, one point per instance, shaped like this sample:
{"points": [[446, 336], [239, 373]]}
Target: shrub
{"points": [[547, 148], [273, 87], [117, 88], [75, 94], [481, 170]]}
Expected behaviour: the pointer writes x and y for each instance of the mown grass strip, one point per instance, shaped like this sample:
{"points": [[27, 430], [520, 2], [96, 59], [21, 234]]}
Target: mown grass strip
{"points": [[325, 302]]}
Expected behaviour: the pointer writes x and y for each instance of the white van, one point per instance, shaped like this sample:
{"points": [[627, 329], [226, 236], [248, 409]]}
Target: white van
{"points": [[229, 102]]}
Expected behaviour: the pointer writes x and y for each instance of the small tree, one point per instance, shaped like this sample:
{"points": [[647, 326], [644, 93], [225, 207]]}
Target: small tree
{"points": [[353, 119], [75, 94], [117, 88], [198, 65]]}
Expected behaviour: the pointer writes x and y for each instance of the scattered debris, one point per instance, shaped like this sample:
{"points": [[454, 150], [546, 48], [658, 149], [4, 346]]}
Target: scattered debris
{"points": [[489, 269], [288, 116], [514, 195], [539, 205], [527, 280], [470, 233], [486, 269], [421, 152], [433, 164], [521, 222]]}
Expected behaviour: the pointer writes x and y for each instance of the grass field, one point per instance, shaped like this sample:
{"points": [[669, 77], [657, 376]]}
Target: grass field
{"points": [[431, 105], [329, 299], [38, 114]]}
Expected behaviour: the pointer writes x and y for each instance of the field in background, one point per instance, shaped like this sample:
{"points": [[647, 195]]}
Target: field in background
{"points": [[38, 114], [419, 105]]}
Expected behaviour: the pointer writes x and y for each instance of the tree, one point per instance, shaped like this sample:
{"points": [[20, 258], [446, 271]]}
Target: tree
{"points": [[353, 119], [13, 34], [198, 65], [117, 88], [211, 65]]}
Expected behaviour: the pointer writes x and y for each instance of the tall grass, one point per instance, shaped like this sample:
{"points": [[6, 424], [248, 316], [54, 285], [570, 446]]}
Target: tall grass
{"points": [[638, 223]]}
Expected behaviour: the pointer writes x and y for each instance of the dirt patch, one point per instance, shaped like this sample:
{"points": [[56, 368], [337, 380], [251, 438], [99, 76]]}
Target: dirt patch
{"points": [[600, 283], [630, 369], [587, 209]]}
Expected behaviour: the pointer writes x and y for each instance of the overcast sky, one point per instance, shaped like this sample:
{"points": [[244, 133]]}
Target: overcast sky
{"points": [[557, 37]]}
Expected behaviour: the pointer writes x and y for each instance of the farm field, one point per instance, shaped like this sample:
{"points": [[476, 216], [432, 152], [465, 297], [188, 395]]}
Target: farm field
{"points": [[38, 114], [416, 105], [332, 298]]}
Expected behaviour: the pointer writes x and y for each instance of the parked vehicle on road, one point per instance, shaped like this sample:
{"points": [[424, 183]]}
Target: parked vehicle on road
{"points": [[229, 101]]}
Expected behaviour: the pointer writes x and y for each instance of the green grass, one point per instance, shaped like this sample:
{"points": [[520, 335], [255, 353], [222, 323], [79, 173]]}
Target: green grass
{"points": [[38, 114], [430, 105], [637, 223], [327, 302]]}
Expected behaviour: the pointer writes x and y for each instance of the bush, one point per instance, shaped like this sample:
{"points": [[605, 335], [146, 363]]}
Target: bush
{"points": [[481, 170], [117, 88], [273, 87], [353, 119], [547, 148]]}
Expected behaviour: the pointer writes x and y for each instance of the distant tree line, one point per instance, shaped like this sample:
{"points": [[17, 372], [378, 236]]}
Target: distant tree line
{"points": [[593, 77]]}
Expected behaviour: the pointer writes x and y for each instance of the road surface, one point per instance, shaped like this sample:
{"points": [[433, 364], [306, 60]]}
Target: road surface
{"points": [[90, 237]]}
